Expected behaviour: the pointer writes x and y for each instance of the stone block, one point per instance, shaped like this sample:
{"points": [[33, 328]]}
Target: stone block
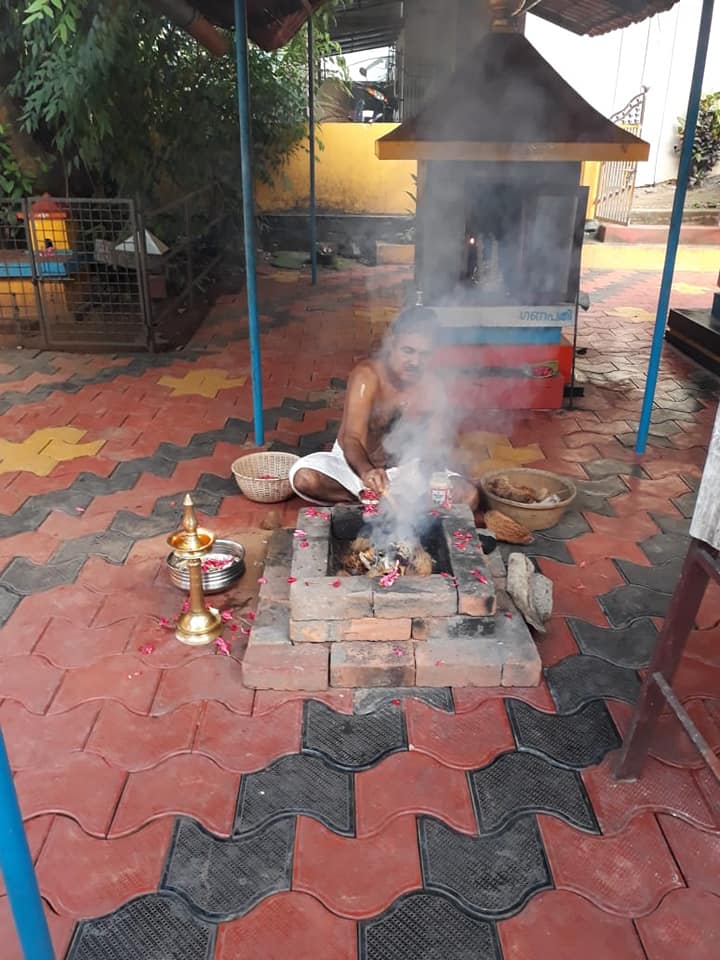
{"points": [[277, 588], [271, 626], [279, 551], [358, 664], [522, 666], [458, 662], [315, 522], [310, 561], [433, 596], [347, 521], [317, 597], [452, 628], [287, 667], [315, 631], [377, 629]]}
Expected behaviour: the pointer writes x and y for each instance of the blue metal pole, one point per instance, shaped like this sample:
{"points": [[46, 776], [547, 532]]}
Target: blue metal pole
{"points": [[243, 85], [311, 138], [675, 223], [17, 869]]}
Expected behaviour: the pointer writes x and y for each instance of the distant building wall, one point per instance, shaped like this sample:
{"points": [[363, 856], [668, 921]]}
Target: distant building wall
{"points": [[609, 70]]}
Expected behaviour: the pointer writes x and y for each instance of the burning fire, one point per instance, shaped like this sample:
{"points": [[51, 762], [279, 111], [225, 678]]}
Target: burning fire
{"points": [[393, 560]]}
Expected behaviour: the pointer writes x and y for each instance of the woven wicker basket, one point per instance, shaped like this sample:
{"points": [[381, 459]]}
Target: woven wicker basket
{"points": [[251, 473]]}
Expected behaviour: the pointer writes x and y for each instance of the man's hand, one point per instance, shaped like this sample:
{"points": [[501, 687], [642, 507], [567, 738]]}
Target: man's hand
{"points": [[376, 479]]}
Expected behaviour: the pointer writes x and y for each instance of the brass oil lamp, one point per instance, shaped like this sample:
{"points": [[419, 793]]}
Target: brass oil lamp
{"points": [[200, 624]]}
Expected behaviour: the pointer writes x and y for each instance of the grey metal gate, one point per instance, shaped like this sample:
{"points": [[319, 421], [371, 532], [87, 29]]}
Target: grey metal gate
{"points": [[72, 275], [616, 184]]}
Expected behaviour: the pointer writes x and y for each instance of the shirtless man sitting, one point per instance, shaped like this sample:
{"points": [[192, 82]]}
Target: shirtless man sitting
{"points": [[382, 393]]}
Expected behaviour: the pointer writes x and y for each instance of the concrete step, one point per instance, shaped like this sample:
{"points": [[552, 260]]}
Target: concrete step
{"points": [[700, 216], [645, 233]]}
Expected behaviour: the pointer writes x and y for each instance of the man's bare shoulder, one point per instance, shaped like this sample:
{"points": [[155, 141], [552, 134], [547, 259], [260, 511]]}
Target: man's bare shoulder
{"points": [[366, 372]]}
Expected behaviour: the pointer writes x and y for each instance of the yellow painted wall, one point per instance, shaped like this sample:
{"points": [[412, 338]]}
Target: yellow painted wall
{"points": [[350, 178], [590, 177]]}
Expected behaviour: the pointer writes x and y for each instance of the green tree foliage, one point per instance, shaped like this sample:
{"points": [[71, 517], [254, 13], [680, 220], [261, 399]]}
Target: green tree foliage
{"points": [[130, 103], [706, 146]]}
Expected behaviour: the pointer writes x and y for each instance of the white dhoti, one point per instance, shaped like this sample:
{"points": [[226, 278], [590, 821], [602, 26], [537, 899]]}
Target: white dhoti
{"points": [[407, 476]]}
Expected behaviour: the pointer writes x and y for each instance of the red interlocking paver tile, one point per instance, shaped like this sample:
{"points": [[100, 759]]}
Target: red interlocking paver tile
{"points": [[686, 924], [691, 464], [83, 876], [133, 742], [650, 496], [696, 679], [122, 677], [468, 698], [148, 601], [635, 528], [207, 678], [288, 921], [357, 878], [33, 545], [468, 740], [661, 788], [626, 874], [564, 926], [412, 783], [187, 785], [670, 743], [29, 679], [591, 548], [267, 701], [243, 744], [697, 853], [576, 587], [36, 831], [80, 785], [60, 644], [704, 645], [61, 929], [556, 643], [708, 616], [36, 740]]}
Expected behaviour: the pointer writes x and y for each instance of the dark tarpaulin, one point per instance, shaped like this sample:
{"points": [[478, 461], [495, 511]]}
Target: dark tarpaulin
{"points": [[272, 23]]}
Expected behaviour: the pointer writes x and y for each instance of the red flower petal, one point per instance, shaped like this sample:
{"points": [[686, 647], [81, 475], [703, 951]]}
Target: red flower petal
{"points": [[292, 579], [337, 583]]}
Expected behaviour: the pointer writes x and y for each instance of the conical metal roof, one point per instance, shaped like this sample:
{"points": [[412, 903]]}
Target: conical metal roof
{"points": [[507, 103]]}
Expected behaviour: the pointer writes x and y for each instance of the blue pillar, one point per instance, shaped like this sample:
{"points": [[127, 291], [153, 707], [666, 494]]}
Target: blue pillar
{"points": [[17, 869], [243, 85], [311, 138], [683, 179]]}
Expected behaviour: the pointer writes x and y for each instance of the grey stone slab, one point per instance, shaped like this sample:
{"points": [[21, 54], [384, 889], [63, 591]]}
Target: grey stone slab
{"points": [[25, 577], [677, 525], [662, 578], [630, 646], [624, 604], [158, 926], [663, 547], [653, 440], [9, 601], [607, 467], [225, 879], [490, 876], [374, 698], [110, 545], [575, 740], [541, 546], [353, 742], [686, 503], [577, 680], [572, 525]]}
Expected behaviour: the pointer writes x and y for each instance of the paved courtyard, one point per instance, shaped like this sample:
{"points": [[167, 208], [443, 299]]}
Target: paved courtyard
{"points": [[174, 812]]}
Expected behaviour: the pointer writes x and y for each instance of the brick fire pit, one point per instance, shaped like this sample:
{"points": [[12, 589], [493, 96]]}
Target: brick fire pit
{"points": [[455, 627]]}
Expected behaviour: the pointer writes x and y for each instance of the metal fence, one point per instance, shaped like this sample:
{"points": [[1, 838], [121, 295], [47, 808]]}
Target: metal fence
{"points": [[99, 275]]}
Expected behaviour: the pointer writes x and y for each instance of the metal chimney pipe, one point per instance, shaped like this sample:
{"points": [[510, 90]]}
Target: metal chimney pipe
{"points": [[185, 16]]}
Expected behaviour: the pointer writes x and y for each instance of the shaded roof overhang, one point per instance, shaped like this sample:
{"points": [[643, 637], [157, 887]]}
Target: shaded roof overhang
{"points": [[507, 103], [367, 23]]}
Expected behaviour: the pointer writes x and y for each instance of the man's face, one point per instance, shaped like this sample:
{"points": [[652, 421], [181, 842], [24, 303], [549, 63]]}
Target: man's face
{"points": [[408, 357]]}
